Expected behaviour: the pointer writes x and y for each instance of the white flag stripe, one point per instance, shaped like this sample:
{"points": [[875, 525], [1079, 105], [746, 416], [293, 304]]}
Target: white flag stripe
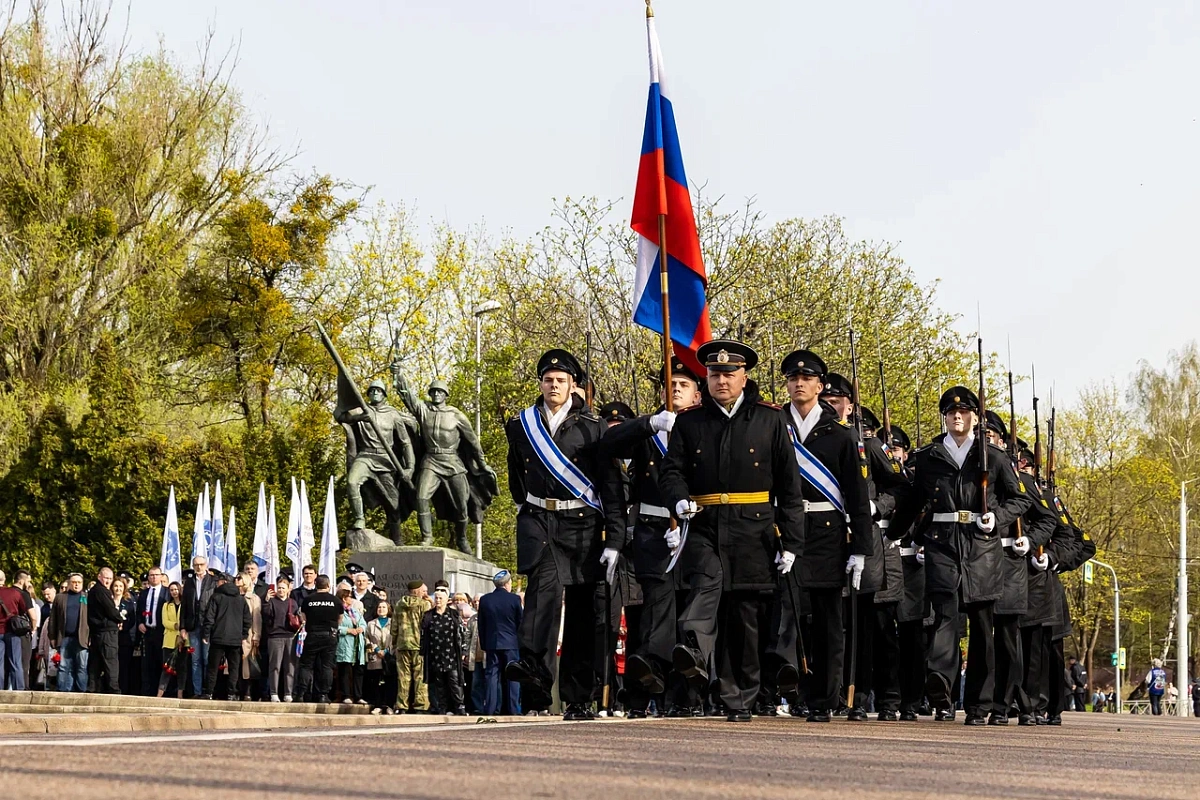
{"points": [[329, 535]]}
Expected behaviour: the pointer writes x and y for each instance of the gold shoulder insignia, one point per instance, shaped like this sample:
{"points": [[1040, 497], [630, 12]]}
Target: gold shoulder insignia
{"points": [[895, 467], [1021, 487], [1064, 519], [1087, 538], [864, 470]]}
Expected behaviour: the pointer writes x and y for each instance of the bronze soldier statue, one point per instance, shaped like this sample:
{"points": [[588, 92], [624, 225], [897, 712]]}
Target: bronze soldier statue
{"points": [[371, 475], [451, 466]]}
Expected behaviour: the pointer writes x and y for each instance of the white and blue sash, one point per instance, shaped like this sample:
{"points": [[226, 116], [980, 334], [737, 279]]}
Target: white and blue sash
{"points": [[555, 462], [660, 442], [816, 473]]}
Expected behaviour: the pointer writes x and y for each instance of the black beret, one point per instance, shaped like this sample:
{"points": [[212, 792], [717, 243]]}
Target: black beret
{"points": [[802, 362], [414, 585]]}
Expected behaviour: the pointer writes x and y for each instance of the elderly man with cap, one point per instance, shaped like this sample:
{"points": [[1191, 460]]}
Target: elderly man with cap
{"points": [[570, 531], [370, 464], [499, 617], [730, 474], [363, 580], [837, 525], [963, 551], [449, 450], [643, 441]]}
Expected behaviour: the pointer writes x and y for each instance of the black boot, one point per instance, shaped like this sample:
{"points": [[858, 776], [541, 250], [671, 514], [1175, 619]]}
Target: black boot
{"points": [[460, 535]]}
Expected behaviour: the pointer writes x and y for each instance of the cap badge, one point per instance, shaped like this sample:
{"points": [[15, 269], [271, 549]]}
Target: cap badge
{"points": [[555, 361], [723, 357], [956, 399]]}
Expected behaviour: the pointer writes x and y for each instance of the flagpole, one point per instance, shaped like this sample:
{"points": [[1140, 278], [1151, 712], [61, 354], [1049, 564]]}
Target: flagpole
{"points": [[666, 305]]}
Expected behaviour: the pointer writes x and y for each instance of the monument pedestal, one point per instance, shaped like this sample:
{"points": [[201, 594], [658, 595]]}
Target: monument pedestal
{"points": [[395, 567]]}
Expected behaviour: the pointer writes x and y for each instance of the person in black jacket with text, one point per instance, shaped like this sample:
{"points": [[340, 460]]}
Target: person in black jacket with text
{"points": [[731, 473], [570, 532], [963, 552]]}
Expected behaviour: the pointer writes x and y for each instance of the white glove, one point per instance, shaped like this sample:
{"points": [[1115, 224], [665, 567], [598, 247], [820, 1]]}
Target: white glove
{"points": [[609, 559], [874, 511], [986, 522], [784, 562], [1041, 562], [855, 565], [921, 556], [1021, 545], [662, 421], [673, 539], [686, 509], [888, 544]]}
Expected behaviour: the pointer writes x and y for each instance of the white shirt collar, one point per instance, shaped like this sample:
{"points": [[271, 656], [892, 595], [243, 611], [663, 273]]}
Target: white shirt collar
{"points": [[805, 425], [555, 421], [729, 412], [958, 452]]}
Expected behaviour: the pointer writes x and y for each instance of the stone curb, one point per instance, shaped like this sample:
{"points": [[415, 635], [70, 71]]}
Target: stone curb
{"points": [[77, 723]]}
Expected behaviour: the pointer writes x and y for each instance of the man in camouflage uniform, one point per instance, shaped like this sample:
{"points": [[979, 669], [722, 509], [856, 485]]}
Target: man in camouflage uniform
{"points": [[413, 695]]}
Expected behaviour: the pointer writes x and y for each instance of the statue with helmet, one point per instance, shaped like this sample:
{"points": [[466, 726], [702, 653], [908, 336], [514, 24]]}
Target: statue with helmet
{"points": [[452, 476]]}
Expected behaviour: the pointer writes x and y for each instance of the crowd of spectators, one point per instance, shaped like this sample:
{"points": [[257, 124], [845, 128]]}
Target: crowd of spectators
{"points": [[204, 637]]}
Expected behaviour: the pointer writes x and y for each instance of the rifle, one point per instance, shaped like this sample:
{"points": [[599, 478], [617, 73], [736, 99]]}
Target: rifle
{"points": [[887, 416], [858, 430], [918, 399], [1051, 466], [1037, 431], [983, 450], [346, 384], [1014, 449]]}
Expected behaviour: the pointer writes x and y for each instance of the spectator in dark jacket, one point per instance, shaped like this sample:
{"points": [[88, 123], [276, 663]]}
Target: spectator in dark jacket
{"points": [[226, 623], [69, 635], [281, 661], [500, 615], [104, 622], [126, 634], [442, 649]]}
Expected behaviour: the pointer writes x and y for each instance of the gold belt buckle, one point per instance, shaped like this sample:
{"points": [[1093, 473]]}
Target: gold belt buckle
{"points": [[964, 517], [551, 504], [724, 499]]}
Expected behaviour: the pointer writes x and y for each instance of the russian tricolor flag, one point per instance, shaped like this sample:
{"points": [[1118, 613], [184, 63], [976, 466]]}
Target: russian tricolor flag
{"points": [[662, 189]]}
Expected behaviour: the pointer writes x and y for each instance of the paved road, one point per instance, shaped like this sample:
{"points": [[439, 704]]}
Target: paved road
{"points": [[1092, 756]]}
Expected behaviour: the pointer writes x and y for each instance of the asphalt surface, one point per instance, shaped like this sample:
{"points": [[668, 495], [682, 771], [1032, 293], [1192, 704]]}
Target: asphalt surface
{"points": [[1091, 756]]}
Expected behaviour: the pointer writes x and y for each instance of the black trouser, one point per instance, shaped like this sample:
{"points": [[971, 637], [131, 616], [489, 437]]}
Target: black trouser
{"points": [[379, 685], [827, 647], [911, 663], [124, 666], [885, 663], [1056, 663], [1010, 666], [446, 690], [1155, 705], [316, 666], [546, 600], [1033, 684], [944, 655], [780, 638], [103, 663], [657, 629], [152, 641], [350, 680], [232, 654], [864, 634]]}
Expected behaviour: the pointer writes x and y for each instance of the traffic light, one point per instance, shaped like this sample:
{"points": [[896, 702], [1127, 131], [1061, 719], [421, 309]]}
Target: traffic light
{"points": [[1114, 659]]}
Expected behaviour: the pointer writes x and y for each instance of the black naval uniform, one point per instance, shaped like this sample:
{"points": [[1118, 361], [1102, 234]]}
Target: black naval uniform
{"points": [[1067, 556], [962, 563], [633, 440], [882, 659], [822, 561], [742, 471], [558, 550], [1037, 525]]}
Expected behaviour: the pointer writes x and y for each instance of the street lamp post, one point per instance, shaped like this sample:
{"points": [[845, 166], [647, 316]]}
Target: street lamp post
{"points": [[481, 310], [1183, 704], [1116, 624]]}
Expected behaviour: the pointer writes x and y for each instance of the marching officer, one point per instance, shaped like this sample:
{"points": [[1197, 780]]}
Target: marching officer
{"points": [[825, 452], [1031, 530], [730, 476], [643, 440], [963, 552], [569, 498]]}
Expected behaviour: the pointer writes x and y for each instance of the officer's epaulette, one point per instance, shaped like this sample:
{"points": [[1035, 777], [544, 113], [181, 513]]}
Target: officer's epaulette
{"points": [[843, 423], [923, 449], [689, 408], [769, 405], [589, 414]]}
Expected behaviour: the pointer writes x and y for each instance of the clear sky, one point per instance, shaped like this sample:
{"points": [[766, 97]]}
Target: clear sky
{"points": [[1041, 150]]}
